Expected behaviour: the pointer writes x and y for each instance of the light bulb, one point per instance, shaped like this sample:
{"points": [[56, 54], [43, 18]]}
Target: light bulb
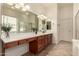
{"points": [[12, 7], [24, 9], [17, 6], [27, 7]]}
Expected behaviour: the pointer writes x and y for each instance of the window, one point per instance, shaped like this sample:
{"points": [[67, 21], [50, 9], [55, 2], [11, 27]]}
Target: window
{"points": [[10, 20]]}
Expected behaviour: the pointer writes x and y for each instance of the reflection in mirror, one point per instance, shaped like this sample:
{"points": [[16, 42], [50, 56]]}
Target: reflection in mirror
{"points": [[43, 22], [48, 25], [21, 21], [44, 25], [22, 28], [10, 20]]}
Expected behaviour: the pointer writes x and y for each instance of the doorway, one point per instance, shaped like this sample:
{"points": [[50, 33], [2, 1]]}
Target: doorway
{"points": [[65, 21]]}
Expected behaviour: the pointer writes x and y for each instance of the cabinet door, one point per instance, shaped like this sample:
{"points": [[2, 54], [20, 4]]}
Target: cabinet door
{"points": [[45, 40], [33, 46], [40, 42], [22, 41], [49, 38]]}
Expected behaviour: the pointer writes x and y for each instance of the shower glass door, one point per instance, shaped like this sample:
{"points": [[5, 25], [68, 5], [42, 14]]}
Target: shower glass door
{"points": [[77, 25]]}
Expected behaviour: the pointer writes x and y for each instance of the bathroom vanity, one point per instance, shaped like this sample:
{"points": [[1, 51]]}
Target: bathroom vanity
{"points": [[22, 35], [22, 43]]}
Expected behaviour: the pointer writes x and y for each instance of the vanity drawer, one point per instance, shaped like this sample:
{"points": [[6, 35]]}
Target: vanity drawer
{"points": [[10, 45], [31, 39], [22, 41]]}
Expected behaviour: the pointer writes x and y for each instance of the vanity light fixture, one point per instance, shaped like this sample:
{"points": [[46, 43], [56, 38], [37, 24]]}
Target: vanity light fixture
{"points": [[26, 8], [42, 17], [20, 6], [17, 6]]}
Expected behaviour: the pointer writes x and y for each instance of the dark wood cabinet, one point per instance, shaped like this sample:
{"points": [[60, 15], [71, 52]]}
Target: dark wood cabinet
{"points": [[11, 44], [45, 40], [50, 39], [22, 42], [33, 46], [40, 43], [19, 42]]}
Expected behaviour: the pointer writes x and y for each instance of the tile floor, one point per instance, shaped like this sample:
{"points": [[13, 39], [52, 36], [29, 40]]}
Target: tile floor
{"points": [[61, 49]]}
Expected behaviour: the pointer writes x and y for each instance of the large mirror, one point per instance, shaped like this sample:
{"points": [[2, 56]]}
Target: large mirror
{"points": [[19, 20]]}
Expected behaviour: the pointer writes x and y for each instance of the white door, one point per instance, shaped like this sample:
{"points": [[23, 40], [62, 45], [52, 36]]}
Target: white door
{"points": [[65, 24]]}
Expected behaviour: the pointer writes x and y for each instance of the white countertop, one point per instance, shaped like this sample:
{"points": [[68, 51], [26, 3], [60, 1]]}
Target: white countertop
{"points": [[20, 36]]}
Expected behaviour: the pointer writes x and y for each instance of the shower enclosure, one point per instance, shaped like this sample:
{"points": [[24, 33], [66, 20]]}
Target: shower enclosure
{"points": [[76, 34], [77, 25]]}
